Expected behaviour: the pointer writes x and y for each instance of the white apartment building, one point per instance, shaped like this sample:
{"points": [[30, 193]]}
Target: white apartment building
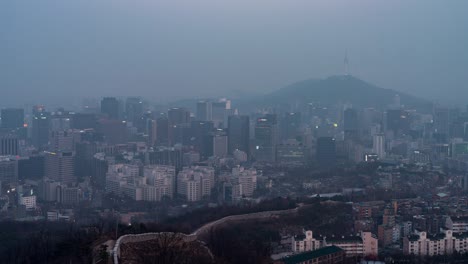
{"points": [[247, 179], [366, 244], [29, 201], [195, 182], [160, 182], [458, 224], [445, 243]]}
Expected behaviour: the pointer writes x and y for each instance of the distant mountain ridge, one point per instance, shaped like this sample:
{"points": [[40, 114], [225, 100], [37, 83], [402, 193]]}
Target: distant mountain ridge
{"points": [[328, 91], [336, 89]]}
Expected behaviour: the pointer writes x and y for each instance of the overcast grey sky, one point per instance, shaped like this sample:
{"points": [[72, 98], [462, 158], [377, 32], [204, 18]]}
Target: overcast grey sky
{"points": [[172, 49]]}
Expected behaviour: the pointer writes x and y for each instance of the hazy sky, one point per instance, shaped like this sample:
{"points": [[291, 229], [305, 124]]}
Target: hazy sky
{"points": [[174, 49]]}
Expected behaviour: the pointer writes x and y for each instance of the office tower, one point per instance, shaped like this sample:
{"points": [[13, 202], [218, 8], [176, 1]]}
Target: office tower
{"points": [[398, 121], [60, 166], [166, 156], [326, 151], [194, 183], [9, 145], [238, 133], [378, 145], [442, 121], [176, 117], [290, 124], [152, 132], [83, 121], [40, 127], [31, 167], [12, 118], [204, 111], [218, 112], [219, 143], [200, 131], [162, 131], [64, 140], [133, 109], [114, 131], [98, 171], [8, 170], [350, 124], [266, 138], [110, 107], [59, 121]]}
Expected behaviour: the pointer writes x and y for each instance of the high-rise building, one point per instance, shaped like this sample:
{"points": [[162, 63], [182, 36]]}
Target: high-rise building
{"points": [[266, 138], [110, 107], [40, 128], [176, 117], [442, 121], [204, 111], [398, 121], [290, 124], [9, 145], [12, 118], [350, 123], [64, 140], [218, 112], [162, 131], [8, 169], [83, 121], [60, 166], [219, 143], [160, 181], [200, 131], [238, 133], [326, 151], [31, 167], [194, 183], [378, 145], [166, 156], [133, 109], [114, 131]]}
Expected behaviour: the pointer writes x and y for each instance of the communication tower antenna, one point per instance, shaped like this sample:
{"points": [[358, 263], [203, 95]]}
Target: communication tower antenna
{"points": [[346, 63]]}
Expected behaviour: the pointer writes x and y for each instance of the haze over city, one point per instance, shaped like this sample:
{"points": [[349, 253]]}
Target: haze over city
{"points": [[168, 50], [234, 132]]}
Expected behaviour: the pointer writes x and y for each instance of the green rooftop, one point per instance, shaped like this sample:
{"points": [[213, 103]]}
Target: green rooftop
{"points": [[311, 255]]}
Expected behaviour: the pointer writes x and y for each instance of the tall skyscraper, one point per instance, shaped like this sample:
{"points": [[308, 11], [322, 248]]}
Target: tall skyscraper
{"points": [[290, 124], [378, 145], [204, 111], [12, 118], [8, 170], [9, 145], [134, 110], [176, 117], [162, 131], [398, 121], [350, 123], [266, 133], [218, 113], [40, 127], [110, 107], [200, 131], [238, 133], [219, 143], [60, 166], [326, 151]]}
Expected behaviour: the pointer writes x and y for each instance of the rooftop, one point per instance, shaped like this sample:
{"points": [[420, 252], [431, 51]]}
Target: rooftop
{"points": [[311, 255]]}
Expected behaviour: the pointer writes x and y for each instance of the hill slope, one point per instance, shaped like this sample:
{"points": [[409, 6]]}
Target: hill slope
{"points": [[335, 89]]}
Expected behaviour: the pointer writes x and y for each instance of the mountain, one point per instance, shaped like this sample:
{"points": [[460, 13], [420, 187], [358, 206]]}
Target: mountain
{"points": [[337, 89]]}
